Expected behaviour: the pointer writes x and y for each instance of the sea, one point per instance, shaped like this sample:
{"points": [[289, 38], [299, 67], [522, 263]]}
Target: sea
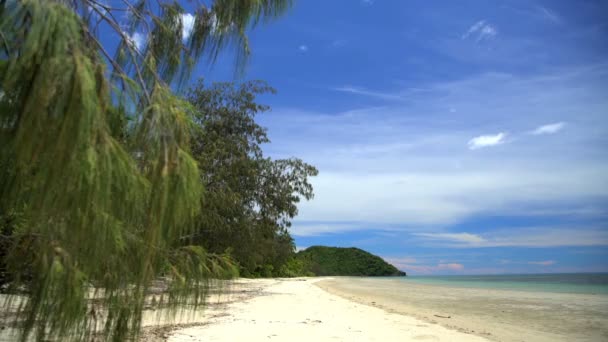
{"points": [[586, 283]]}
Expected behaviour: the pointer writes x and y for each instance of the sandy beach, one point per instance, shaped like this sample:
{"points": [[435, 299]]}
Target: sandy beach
{"points": [[372, 309], [499, 315], [298, 310]]}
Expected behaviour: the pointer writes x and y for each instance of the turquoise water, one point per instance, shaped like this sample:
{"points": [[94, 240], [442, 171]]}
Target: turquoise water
{"points": [[596, 283]]}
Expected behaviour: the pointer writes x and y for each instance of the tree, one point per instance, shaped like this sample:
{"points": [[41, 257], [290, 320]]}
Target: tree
{"points": [[97, 150], [249, 199]]}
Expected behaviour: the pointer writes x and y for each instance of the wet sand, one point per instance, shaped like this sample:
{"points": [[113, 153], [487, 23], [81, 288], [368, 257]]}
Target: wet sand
{"points": [[499, 315]]}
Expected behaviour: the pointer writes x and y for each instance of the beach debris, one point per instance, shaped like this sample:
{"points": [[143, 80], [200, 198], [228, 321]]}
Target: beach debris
{"points": [[443, 316], [308, 320]]}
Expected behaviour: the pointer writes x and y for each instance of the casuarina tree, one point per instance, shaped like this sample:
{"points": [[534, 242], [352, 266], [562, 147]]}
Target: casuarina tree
{"points": [[95, 155]]}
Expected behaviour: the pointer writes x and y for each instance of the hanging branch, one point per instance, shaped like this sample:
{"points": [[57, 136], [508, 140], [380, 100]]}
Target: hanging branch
{"points": [[104, 202]]}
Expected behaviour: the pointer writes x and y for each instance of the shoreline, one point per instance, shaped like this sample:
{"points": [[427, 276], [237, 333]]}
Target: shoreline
{"points": [[496, 314]]}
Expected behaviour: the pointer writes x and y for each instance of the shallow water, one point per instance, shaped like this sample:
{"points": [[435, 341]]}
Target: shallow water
{"points": [[590, 283]]}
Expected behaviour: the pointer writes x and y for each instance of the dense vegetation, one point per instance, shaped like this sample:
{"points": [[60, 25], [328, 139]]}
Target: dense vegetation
{"points": [[99, 184], [249, 199], [336, 261]]}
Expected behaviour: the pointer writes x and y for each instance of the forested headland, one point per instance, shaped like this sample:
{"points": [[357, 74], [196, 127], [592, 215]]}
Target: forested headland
{"points": [[336, 261]]}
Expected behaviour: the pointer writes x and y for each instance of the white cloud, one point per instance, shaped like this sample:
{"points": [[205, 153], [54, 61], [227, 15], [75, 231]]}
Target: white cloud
{"points": [[549, 129], [300, 248], [137, 40], [474, 28], [487, 32], [367, 2], [402, 165], [187, 25], [481, 30], [538, 237], [429, 198], [487, 140], [303, 48]]}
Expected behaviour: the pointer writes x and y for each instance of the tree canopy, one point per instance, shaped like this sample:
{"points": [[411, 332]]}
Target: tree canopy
{"points": [[249, 199], [96, 156]]}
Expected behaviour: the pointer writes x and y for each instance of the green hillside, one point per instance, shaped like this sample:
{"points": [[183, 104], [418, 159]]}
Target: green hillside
{"points": [[336, 261]]}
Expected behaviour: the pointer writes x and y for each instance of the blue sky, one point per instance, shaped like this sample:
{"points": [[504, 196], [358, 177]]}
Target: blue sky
{"points": [[452, 137]]}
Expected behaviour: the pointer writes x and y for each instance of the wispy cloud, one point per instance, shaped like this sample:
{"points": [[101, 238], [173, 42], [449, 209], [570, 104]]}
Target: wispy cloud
{"points": [[370, 93], [549, 14], [481, 30], [339, 43], [519, 262], [542, 263], [487, 140], [321, 228], [458, 237], [521, 237], [451, 266], [549, 129], [474, 28], [303, 48], [406, 163], [412, 265], [401, 261], [367, 2]]}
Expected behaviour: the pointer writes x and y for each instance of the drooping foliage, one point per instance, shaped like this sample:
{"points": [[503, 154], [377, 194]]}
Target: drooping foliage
{"points": [[249, 199], [98, 187]]}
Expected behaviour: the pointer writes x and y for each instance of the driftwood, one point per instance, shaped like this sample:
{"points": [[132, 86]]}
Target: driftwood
{"points": [[443, 316]]}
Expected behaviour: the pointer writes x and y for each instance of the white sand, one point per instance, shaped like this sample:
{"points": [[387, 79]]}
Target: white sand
{"points": [[297, 310]]}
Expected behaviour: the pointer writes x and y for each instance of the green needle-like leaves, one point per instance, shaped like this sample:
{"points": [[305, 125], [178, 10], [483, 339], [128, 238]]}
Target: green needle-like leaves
{"points": [[95, 160]]}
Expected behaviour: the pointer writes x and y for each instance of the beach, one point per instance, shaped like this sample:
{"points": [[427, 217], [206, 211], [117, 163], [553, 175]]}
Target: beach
{"points": [[497, 314], [371, 309], [298, 310], [377, 309]]}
